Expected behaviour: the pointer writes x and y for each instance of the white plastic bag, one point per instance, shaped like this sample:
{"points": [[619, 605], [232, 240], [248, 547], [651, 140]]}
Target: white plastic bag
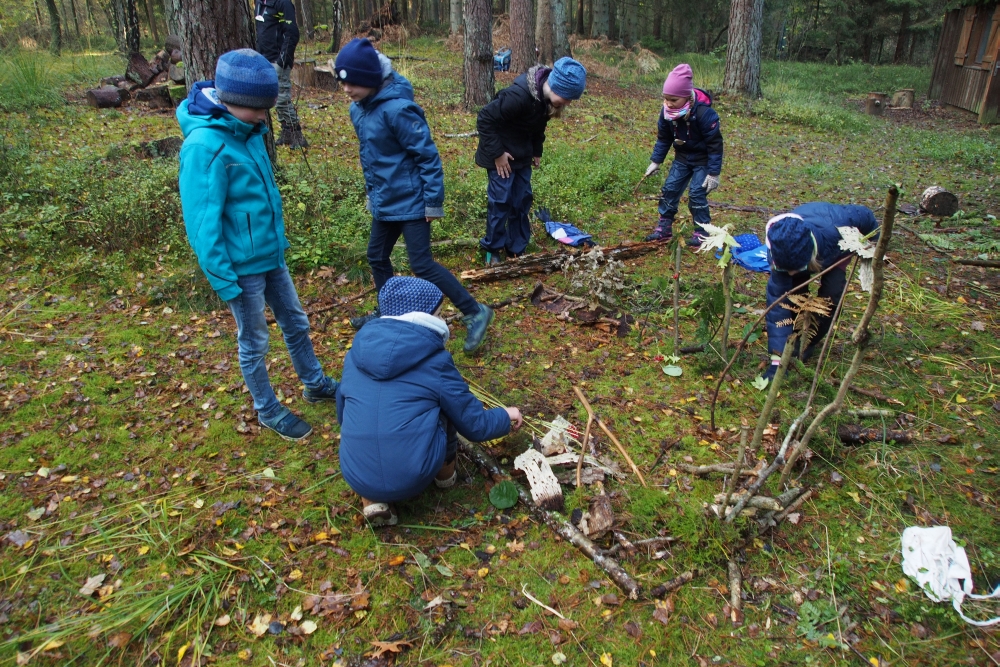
{"points": [[941, 568]]}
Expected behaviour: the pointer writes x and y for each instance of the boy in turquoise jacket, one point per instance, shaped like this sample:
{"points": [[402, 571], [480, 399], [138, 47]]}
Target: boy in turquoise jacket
{"points": [[232, 214]]}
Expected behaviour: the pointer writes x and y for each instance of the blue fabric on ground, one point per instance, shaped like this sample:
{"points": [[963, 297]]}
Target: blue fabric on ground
{"points": [[564, 232], [751, 255]]}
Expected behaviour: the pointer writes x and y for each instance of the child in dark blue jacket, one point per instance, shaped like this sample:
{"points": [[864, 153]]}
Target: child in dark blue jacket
{"points": [[690, 124], [404, 179], [801, 243], [401, 401], [233, 217]]}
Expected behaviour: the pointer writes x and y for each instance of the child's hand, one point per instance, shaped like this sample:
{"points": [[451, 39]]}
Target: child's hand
{"points": [[503, 164], [711, 183], [515, 418], [536, 161], [652, 168]]}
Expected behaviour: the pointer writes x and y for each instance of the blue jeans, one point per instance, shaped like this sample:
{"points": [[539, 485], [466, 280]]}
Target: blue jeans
{"points": [[417, 235], [508, 211], [276, 290], [677, 181]]}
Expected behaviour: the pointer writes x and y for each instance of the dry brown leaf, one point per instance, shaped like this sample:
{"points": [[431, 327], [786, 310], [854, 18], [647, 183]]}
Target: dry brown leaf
{"points": [[381, 648], [93, 583]]}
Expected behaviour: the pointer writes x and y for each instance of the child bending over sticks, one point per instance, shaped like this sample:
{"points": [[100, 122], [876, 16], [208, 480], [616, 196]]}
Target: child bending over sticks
{"points": [[402, 400]]}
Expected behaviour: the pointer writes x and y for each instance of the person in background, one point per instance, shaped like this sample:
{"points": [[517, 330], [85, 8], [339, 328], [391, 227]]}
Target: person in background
{"points": [[402, 402], [689, 124], [511, 133], [234, 222], [801, 243], [404, 179], [277, 37]]}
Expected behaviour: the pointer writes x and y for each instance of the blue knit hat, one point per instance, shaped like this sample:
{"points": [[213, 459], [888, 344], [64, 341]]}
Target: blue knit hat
{"points": [[568, 79], [402, 294], [358, 64], [791, 243], [245, 78]]}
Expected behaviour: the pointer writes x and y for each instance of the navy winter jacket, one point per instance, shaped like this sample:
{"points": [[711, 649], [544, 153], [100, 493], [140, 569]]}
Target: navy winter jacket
{"points": [[822, 219], [696, 138], [404, 178], [398, 383], [277, 31], [514, 122]]}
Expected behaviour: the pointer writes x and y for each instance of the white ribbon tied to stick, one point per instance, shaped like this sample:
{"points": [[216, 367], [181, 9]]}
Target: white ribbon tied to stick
{"points": [[941, 568]]}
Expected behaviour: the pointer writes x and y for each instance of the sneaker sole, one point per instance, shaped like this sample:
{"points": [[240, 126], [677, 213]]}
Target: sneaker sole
{"points": [[307, 399], [287, 437], [473, 349]]}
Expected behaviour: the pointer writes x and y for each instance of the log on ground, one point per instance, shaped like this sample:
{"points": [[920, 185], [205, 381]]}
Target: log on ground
{"points": [[856, 434], [157, 97], [105, 97]]}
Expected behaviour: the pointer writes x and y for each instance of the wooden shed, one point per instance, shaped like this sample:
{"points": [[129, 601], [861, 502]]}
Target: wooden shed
{"points": [[966, 64]]}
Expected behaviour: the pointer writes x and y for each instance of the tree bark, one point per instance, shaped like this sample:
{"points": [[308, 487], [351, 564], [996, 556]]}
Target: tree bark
{"points": [[151, 15], [658, 19], [599, 27], [55, 42], [455, 17], [171, 12], [579, 18], [126, 20], [904, 32], [209, 29], [560, 38], [76, 21], [629, 23], [308, 23], [522, 36], [477, 72], [337, 24], [742, 77], [543, 30]]}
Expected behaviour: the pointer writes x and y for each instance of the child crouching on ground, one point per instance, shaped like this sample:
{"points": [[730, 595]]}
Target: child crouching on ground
{"points": [[232, 214], [691, 125], [401, 401]]}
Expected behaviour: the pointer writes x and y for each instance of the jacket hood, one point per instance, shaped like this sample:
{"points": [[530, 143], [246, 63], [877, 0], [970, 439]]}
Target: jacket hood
{"points": [[202, 108], [395, 86], [386, 348]]}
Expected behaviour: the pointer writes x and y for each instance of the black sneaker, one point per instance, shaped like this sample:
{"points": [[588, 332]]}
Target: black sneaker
{"points": [[288, 426], [362, 320], [328, 392], [696, 239], [661, 233]]}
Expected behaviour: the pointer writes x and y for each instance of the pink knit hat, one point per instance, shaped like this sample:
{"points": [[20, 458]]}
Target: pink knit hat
{"points": [[678, 83]]}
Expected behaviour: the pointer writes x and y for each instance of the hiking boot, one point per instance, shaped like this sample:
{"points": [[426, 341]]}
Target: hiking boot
{"points": [[297, 139], [475, 326], [513, 255], [288, 426], [362, 320], [285, 138], [664, 232], [380, 514], [328, 392], [696, 240], [448, 475], [493, 258]]}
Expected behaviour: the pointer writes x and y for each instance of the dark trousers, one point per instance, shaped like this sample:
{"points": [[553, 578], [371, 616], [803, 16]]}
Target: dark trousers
{"points": [[451, 449], [831, 286], [508, 211], [417, 235], [680, 175]]}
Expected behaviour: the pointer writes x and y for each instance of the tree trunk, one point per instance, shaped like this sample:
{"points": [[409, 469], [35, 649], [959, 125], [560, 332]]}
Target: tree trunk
{"points": [[55, 42], [76, 21], [172, 13], [308, 23], [904, 32], [337, 25], [455, 17], [477, 73], [560, 39], [658, 19], [126, 26], [522, 36], [599, 28], [579, 19], [742, 77], [209, 29], [151, 15], [629, 23], [543, 30]]}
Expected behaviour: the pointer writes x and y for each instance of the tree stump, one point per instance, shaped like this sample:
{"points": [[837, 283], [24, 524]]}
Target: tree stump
{"points": [[938, 202], [104, 97], [326, 79], [177, 93], [903, 99], [112, 80], [157, 97], [304, 73], [139, 70], [875, 104]]}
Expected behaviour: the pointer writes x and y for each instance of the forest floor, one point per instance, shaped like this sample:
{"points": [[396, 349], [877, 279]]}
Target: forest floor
{"points": [[146, 519]]}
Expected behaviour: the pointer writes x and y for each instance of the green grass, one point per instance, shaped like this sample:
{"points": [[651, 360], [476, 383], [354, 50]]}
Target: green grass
{"points": [[32, 79], [118, 363]]}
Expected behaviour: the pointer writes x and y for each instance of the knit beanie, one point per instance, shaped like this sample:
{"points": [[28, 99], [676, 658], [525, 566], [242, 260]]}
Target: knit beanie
{"points": [[403, 294], [791, 243], [568, 79], [678, 83], [245, 78], [358, 64]]}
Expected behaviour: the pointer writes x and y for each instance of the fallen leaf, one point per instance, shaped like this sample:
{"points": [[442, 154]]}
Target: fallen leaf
{"points": [[482, 572], [661, 613], [181, 651], [607, 660], [515, 547], [977, 326], [381, 648], [558, 658], [396, 561], [296, 614], [633, 630], [93, 583], [36, 513], [43, 472], [308, 627], [119, 640], [259, 624], [222, 621], [760, 383], [530, 628], [567, 624], [295, 575]]}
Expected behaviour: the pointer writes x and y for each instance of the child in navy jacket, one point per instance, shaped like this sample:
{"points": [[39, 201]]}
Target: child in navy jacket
{"points": [[691, 125], [401, 401], [800, 243]]}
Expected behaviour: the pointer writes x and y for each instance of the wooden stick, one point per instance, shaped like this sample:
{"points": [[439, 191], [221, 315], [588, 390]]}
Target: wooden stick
{"points": [[720, 468], [677, 298], [737, 466], [672, 585], [556, 522], [621, 449], [586, 435], [783, 514], [735, 585], [988, 263]]}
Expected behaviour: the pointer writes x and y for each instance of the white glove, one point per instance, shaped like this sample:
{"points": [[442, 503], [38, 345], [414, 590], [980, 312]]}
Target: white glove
{"points": [[711, 183], [652, 168]]}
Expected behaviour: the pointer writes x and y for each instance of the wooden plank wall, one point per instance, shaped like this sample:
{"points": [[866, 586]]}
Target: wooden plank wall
{"points": [[953, 84], [944, 60]]}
